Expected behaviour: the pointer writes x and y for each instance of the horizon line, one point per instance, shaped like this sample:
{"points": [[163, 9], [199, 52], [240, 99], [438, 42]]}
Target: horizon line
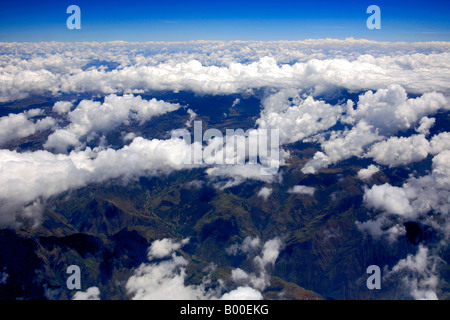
{"points": [[348, 39]]}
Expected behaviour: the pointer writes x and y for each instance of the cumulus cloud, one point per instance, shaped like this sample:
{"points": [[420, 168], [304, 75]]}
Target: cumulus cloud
{"points": [[91, 117], [342, 145], [366, 174], [423, 199], [227, 176], [389, 198], [431, 192], [418, 273], [348, 143], [166, 279], [164, 247], [299, 119], [418, 196], [60, 140], [377, 115], [239, 156], [381, 227], [243, 293], [62, 107], [425, 125], [129, 136], [270, 252], [92, 293], [192, 116], [319, 161], [390, 110], [400, 151], [440, 142], [248, 245], [426, 200], [263, 259], [21, 125], [299, 189], [265, 193]]}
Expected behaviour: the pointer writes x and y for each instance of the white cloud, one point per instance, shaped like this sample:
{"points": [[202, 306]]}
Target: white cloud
{"points": [[91, 117], [372, 227], [92, 293], [380, 227], [419, 274], [164, 247], [21, 125], [376, 115], [166, 279], [348, 143], [233, 158], [265, 193], [366, 174], [400, 151], [238, 275], [425, 125], [440, 142], [299, 189], [417, 196], [233, 175], [299, 119], [248, 245], [270, 252], [243, 293], [61, 139], [163, 280], [62, 107], [389, 110], [192, 116], [389, 198], [236, 102], [342, 145], [431, 192], [129, 136], [426, 200], [262, 262], [319, 161]]}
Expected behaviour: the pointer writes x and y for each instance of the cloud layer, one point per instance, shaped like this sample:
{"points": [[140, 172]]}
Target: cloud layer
{"points": [[219, 67]]}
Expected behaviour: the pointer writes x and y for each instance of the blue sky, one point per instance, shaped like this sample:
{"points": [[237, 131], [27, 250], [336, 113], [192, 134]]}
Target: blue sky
{"points": [[174, 20]]}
